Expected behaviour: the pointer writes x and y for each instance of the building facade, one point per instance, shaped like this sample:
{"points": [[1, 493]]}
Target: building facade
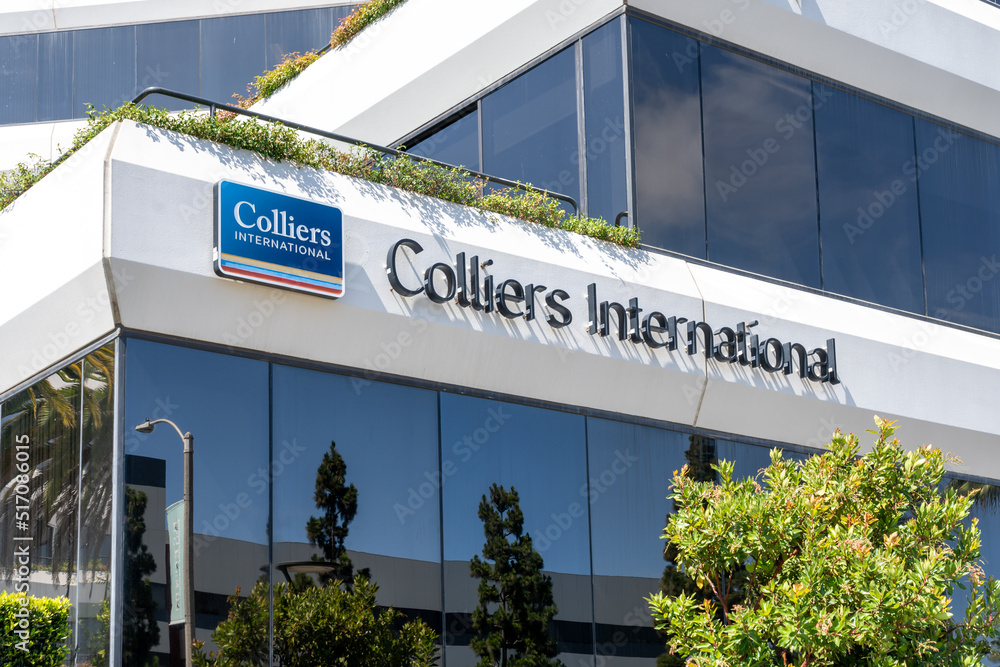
{"points": [[815, 184]]}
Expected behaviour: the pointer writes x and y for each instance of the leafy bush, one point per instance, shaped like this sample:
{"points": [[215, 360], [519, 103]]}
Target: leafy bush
{"points": [[839, 560], [277, 142], [45, 622], [266, 84], [361, 18]]}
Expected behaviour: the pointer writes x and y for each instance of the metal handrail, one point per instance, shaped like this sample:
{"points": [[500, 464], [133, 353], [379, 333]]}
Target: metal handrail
{"points": [[215, 106]]}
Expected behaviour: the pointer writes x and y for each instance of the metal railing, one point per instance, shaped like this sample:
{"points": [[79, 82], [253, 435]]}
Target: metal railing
{"points": [[217, 106]]}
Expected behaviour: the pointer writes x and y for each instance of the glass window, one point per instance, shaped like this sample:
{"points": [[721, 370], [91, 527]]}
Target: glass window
{"points": [[386, 436], [960, 215], [759, 168], [18, 78], [223, 402], [868, 201], [457, 143], [604, 114], [232, 54], [530, 127], [167, 56], [103, 68], [486, 442], [55, 75], [666, 117], [297, 32]]}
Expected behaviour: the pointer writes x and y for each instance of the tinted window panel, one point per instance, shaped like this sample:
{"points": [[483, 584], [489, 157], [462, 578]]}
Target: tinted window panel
{"points": [[232, 54], [393, 464], [55, 75], [666, 117], [457, 143], [532, 127], [297, 32], [960, 214], [604, 111], [18, 78], [167, 56], [104, 68], [486, 442], [868, 201], [759, 168]]}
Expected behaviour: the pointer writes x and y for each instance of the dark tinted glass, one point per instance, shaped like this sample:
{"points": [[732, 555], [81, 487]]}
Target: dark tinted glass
{"points": [[868, 201], [18, 78], [55, 75], [530, 127], [666, 117], [759, 168], [960, 214], [604, 113], [232, 54], [386, 436], [167, 56], [457, 143], [103, 68], [486, 442], [297, 32], [223, 402]]}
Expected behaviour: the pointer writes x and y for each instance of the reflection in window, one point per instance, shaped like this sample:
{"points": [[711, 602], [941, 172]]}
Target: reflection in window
{"points": [[223, 402], [55, 490], [456, 143], [868, 201], [759, 167], [387, 437], [666, 117], [541, 453], [960, 210], [533, 127], [604, 114]]}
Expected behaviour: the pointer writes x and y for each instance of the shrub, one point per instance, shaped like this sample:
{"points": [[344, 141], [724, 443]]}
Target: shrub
{"points": [[45, 628]]}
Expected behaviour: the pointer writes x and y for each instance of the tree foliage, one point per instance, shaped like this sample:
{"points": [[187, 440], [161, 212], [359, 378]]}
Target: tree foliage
{"points": [[850, 561], [319, 627], [338, 501], [515, 598]]}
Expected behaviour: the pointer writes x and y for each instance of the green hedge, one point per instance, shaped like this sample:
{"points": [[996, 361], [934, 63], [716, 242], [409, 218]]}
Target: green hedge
{"points": [[35, 630]]}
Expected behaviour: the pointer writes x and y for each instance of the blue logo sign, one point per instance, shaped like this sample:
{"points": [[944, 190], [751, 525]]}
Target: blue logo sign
{"points": [[275, 239]]}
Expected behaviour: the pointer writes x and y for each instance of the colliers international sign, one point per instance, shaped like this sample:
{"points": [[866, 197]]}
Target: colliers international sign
{"points": [[275, 239]]}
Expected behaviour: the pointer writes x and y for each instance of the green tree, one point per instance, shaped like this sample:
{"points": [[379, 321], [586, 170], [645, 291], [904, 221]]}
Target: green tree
{"points": [[851, 560], [319, 627], [515, 598], [339, 503]]}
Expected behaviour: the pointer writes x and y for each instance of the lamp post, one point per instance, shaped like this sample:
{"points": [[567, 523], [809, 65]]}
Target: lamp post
{"points": [[147, 427]]}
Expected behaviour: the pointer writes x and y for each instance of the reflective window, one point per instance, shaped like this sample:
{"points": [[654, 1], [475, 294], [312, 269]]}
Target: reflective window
{"points": [[960, 211], [223, 402], [55, 75], [386, 436], [298, 32], [486, 442], [167, 56], [759, 168], [604, 114], [666, 117], [456, 143], [232, 54], [532, 124], [868, 201], [103, 68], [18, 78]]}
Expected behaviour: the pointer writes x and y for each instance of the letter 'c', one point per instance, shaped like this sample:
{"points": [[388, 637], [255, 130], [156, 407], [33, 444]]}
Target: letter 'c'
{"points": [[390, 262], [236, 214]]}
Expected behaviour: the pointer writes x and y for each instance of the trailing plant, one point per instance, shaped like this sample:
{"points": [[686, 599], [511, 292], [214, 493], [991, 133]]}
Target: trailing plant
{"points": [[277, 142], [363, 16], [841, 560], [266, 84], [45, 624]]}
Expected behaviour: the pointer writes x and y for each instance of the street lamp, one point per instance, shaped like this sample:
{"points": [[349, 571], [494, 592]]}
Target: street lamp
{"points": [[147, 427]]}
